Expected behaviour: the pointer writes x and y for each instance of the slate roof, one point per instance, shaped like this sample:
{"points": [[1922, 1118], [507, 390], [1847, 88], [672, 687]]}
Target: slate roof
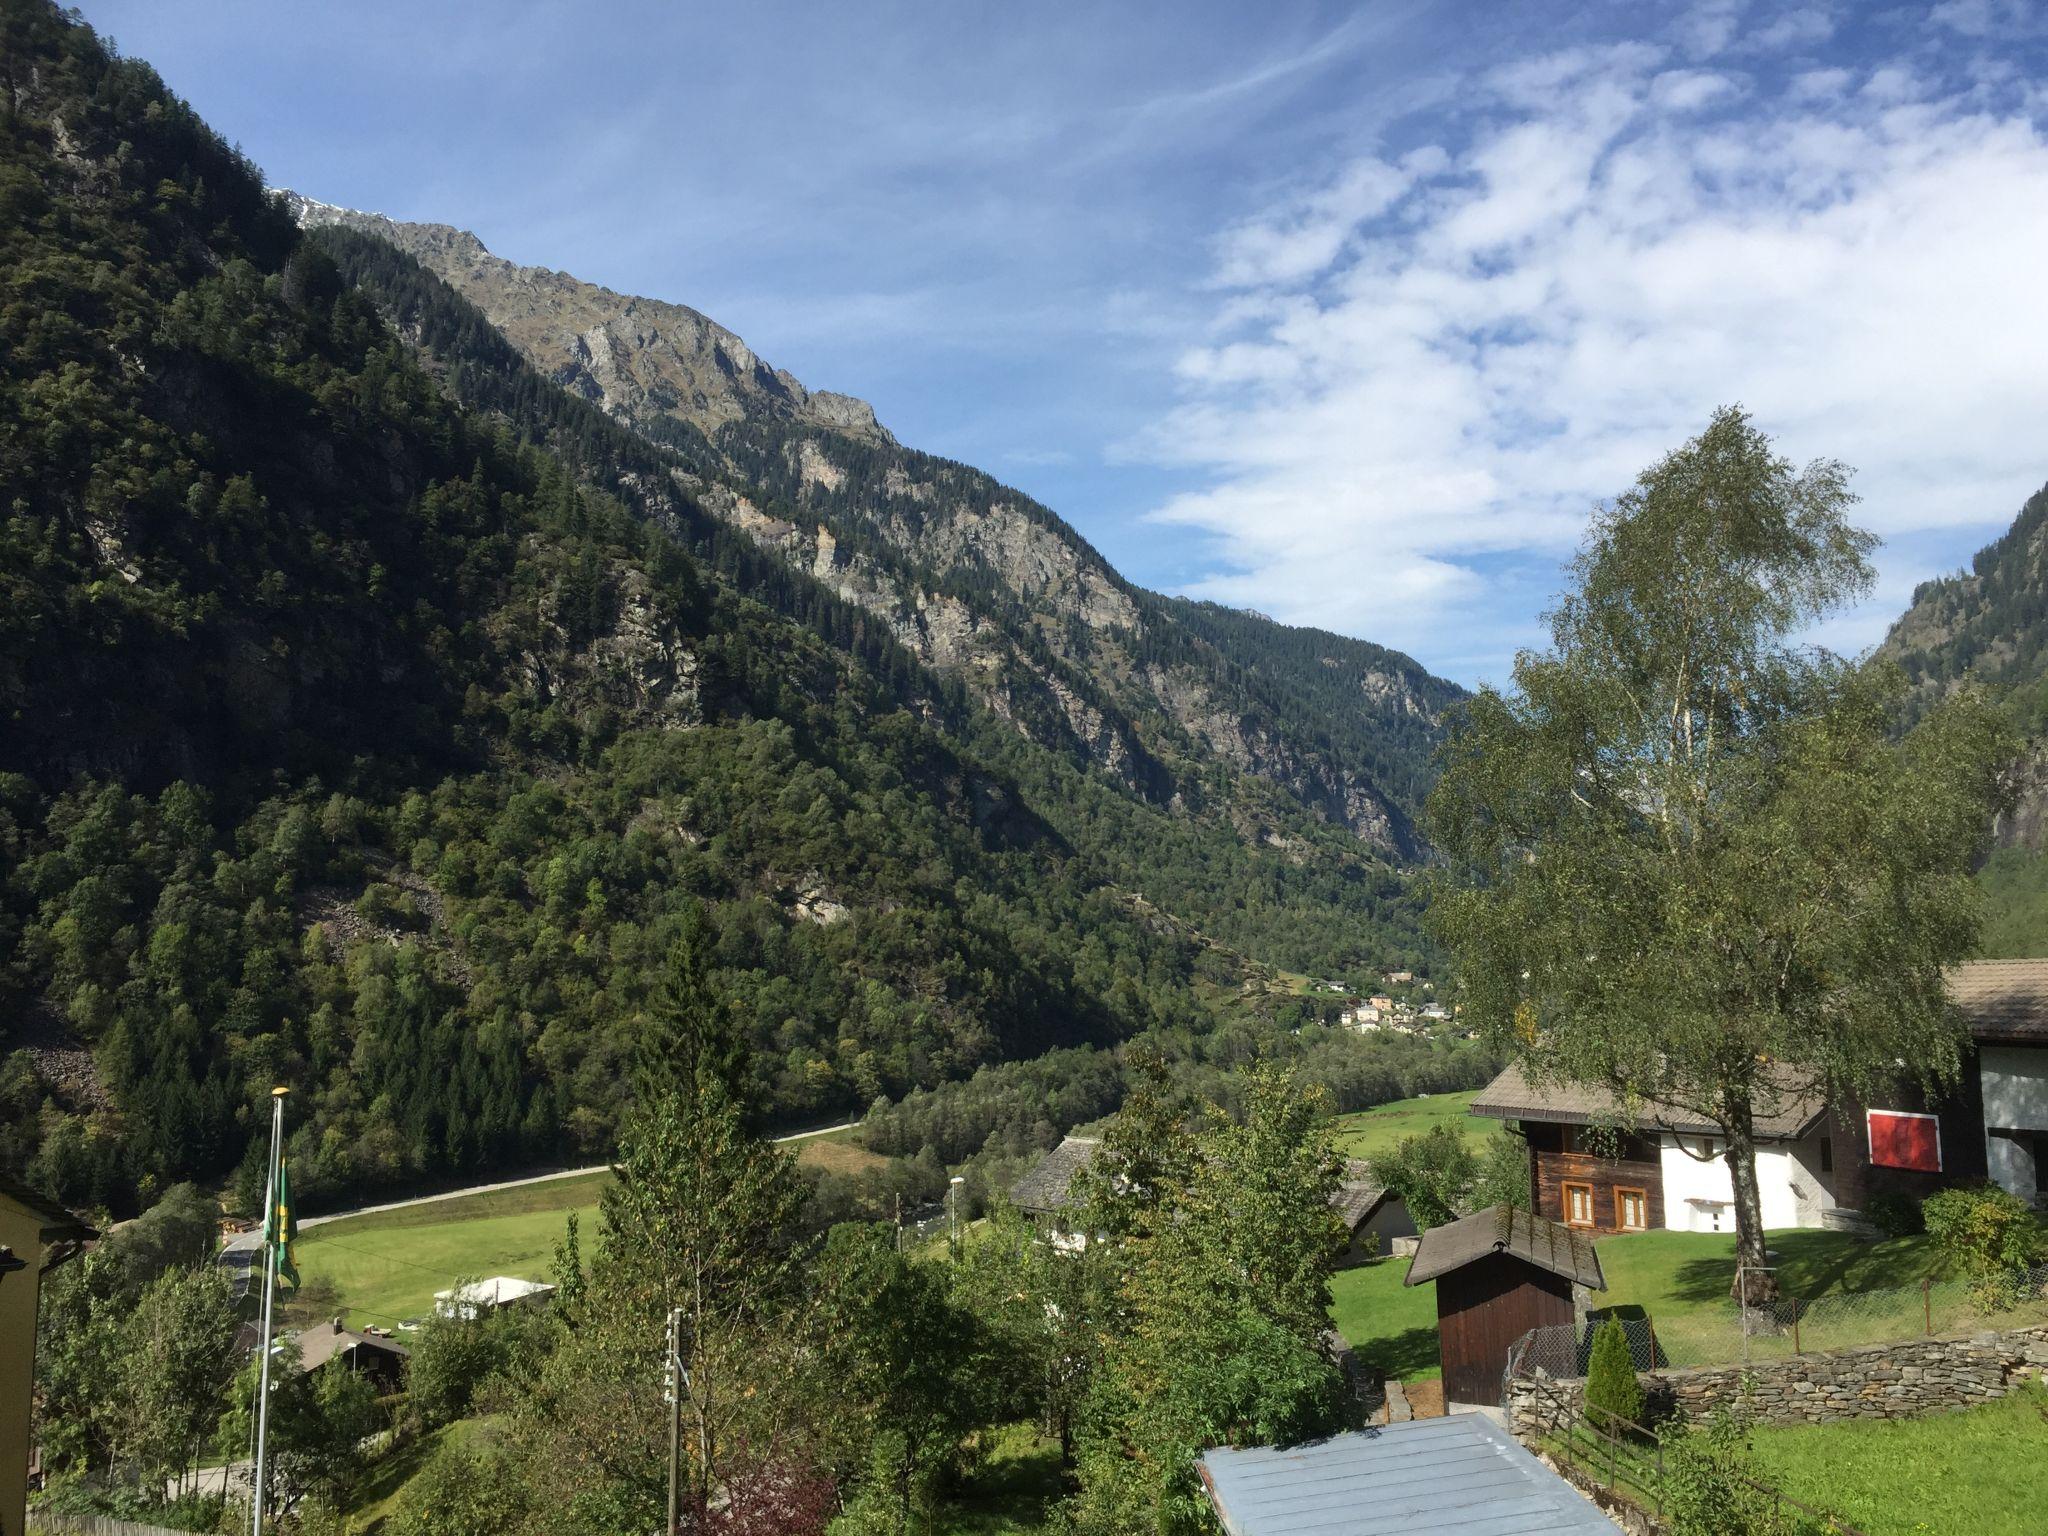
{"points": [[1535, 1239], [1458, 1476], [1785, 1116], [319, 1345], [1357, 1196], [2005, 1002], [1047, 1188]]}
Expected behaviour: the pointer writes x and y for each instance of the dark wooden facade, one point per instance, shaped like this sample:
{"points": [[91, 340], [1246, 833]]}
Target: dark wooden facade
{"points": [[1482, 1309], [1961, 1117], [1570, 1154]]}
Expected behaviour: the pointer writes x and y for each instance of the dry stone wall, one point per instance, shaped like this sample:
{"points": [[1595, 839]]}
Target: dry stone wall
{"points": [[1886, 1381]]}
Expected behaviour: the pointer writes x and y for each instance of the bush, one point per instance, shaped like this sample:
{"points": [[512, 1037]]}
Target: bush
{"points": [[1612, 1392], [1989, 1234], [1894, 1214]]}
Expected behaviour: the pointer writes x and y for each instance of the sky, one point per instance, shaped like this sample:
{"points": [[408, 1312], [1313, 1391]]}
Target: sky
{"points": [[1351, 314]]}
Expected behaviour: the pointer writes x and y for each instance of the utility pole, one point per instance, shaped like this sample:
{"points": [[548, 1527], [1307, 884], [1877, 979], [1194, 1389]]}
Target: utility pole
{"points": [[272, 1224], [899, 1221], [953, 1197], [672, 1393]]}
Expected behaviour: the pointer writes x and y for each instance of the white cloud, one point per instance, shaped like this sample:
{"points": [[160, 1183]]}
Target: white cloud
{"points": [[1428, 371]]}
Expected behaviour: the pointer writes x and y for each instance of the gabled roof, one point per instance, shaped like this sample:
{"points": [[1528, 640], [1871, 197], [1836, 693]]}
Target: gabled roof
{"points": [[2005, 1002], [1047, 1188], [1357, 1196], [60, 1225], [1458, 1476], [319, 1345], [1786, 1114], [1536, 1240]]}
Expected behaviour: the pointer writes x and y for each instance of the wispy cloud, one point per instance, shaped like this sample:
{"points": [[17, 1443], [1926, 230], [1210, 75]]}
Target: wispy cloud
{"points": [[1424, 372]]}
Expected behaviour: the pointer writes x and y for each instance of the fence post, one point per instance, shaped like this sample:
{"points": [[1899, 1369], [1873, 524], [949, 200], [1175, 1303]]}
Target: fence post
{"points": [[1795, 1326], [1927, 1305], [1653, 1342]]}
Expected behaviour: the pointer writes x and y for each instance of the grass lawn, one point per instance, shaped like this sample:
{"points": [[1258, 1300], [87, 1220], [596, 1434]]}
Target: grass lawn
{"points": [[1687, 1274], [376, 1497], [385, 1267], [1391, 1327], [1373, 1131], [1011, 1491], [1681, 1280], [1984, 1470]]}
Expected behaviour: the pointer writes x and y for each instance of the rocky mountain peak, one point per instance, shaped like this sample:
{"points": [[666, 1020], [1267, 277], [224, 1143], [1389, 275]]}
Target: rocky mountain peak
{"points": [[635, 357]]}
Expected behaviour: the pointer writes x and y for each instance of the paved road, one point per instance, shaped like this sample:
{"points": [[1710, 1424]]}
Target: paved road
{"points": [[241, 1253]]}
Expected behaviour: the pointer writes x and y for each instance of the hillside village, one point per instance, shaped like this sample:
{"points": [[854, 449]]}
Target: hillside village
{"points": [[592, 943]]}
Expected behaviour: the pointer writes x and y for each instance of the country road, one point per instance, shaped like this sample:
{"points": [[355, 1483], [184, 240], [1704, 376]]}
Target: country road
{"points": [[239, 1252]]}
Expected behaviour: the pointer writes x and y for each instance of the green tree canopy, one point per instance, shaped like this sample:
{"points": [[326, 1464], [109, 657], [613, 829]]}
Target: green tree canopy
{"points": [[1693, 861]]}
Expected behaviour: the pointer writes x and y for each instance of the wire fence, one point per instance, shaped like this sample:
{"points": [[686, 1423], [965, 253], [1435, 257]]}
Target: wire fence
{"points": [[1792, 1326]]}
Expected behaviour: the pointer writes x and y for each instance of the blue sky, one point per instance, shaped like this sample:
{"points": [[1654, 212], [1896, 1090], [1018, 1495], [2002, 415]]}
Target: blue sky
{"points": [[1346, 313]]}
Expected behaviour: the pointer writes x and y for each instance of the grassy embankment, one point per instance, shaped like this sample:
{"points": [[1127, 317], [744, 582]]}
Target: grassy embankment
{"points": [[1984, 1470], [385, 1267]]}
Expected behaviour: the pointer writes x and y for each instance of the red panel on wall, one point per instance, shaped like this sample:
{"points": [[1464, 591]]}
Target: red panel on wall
{"points": [[1899, 1139]]}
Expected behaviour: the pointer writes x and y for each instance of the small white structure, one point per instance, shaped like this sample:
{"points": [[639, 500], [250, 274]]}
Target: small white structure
{"points": [[1699, 1196], [481, 1296]]}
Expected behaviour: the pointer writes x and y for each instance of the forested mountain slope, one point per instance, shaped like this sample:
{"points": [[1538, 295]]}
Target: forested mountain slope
{"points": [[378, 712], [1989, 625], [979, 581]]}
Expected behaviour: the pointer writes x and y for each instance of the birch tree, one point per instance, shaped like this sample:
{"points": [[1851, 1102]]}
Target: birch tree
{"points": [[1691, 858]]}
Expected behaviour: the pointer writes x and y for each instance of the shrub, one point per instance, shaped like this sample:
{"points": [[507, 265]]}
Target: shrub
{"points": [[1894, 1214], [1989, 1234], [1612, 1391]]}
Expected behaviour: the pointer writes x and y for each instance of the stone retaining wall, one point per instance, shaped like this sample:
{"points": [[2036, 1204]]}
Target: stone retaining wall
{"points": [[1886, 1381]]}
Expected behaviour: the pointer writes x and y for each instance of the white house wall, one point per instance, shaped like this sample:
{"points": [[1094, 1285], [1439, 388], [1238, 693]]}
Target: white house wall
{"points": [[1700, 1196], [2015, 1079], [2015, 1083]]}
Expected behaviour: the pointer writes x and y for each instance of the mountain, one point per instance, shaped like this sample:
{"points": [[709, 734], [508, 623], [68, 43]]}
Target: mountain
{"points": [[976, 579], [388, 716], [1989, 625]]}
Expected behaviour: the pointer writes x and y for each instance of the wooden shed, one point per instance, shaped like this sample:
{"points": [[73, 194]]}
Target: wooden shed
{"points": [[1498, 1274]]}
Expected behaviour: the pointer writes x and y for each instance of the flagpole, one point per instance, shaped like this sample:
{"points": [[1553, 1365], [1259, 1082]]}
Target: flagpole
{"points": [[270, 1218]]}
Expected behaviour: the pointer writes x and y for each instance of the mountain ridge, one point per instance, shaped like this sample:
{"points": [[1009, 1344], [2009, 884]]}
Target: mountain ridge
{"points": [[978, 580]]}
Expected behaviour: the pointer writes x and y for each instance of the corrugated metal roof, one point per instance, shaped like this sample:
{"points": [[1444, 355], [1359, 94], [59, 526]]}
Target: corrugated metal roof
{"points": [[1784, 1114], [2003, 1000], [1048, 1186], [1499, 1229], [1458, 1476]]}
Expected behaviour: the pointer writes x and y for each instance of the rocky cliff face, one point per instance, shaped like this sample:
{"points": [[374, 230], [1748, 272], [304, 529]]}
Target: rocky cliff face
{"points": [[633, 356], [975, 579]]}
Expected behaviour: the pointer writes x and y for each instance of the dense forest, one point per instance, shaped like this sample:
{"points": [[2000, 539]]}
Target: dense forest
{"points": [[377, 714]]}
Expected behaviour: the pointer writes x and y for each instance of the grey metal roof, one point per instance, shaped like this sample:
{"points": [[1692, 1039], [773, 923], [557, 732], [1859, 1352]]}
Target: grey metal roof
{"points": [[1500, 1229], [1783, 1112], [1458, 1476], [1047, 1187]]}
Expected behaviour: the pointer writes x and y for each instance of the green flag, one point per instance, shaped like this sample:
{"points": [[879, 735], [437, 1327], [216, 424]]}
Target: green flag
{"points": [[281, 1227]]}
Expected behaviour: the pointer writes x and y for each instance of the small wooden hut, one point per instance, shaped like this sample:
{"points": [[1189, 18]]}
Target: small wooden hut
{"points": [[1499, 1273]]}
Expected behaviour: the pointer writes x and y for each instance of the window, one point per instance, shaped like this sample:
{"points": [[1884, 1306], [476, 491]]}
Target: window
{"points": [[1827, 1155], [1631, 1210], [1578, 1205]]}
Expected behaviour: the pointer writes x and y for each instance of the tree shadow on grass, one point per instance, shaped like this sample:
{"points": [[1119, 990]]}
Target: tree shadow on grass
{"points": [[1399, 1356]]}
